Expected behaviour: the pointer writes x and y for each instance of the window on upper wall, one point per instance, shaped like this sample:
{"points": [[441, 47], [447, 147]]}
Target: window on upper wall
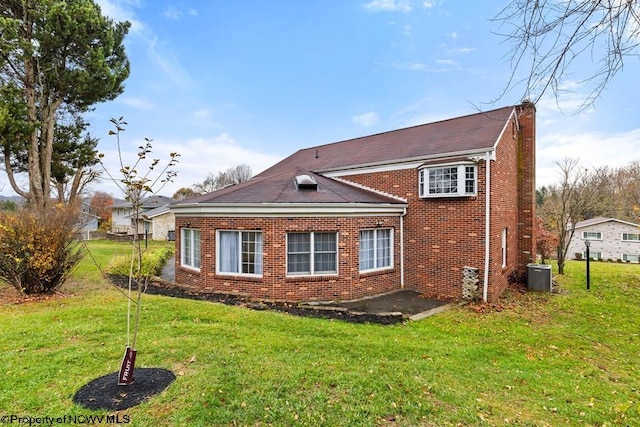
{"points": [[630, 237], [376, 249], [631, 257], [312, 253], [592, 235], [190, 248], [239, 252], [448, 181]]}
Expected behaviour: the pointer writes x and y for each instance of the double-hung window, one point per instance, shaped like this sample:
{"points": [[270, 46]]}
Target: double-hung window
{"points": [[239, 252], [376, 249], [448, 181], [630, 237], [312, 253], [190, 248]]}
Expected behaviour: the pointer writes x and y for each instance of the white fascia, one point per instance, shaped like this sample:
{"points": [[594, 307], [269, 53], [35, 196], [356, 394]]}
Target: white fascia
{"points": [[400, 164], [288, 209]]}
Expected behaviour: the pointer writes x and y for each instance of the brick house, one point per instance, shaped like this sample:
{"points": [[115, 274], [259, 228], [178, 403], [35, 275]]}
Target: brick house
{"points": [[611, 239], [402, 209]]}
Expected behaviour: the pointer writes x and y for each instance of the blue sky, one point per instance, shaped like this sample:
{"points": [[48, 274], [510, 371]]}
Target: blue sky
{"points": [[231, 82]]}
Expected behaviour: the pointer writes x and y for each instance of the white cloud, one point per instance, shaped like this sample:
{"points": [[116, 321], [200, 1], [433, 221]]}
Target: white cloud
{"points": [[427, 4], [120, 11], [158, 52], [366, 119], [198, 158], [138, 103], [593, 149], [173, 13], [388, 6]]}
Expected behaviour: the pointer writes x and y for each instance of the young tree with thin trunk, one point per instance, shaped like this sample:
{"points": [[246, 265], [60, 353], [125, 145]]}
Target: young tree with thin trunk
{"points": [[137, 184]]}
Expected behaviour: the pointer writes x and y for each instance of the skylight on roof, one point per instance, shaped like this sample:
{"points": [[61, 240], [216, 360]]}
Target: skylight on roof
{"points": [[306, 182]]}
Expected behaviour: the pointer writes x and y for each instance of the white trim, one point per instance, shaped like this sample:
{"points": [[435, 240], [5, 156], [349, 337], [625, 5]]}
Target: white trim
{"points": [[400, 164], [487, 224], [391, 265], [588, 222], [287, 209], [192, 248], [240, 273], [312, 252], [504, 128], [461, 184]]}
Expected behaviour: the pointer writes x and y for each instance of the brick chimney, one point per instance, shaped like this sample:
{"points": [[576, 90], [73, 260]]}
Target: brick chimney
{"points": [[526, 115]]}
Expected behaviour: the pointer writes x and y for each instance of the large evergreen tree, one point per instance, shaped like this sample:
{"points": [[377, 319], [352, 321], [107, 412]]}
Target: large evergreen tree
{"points": [[54, 55]]}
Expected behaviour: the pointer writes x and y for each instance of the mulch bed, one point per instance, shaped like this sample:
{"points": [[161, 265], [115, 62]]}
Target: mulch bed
{"points": [[105, 393], [158, 286]]}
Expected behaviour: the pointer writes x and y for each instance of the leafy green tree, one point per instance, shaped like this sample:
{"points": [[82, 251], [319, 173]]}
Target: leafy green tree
{"points": [[54, 54]]}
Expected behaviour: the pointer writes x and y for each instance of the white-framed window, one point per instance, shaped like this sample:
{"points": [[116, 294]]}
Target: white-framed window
{"points": [[592, 235], [312, 253], [376, 249], [592, 255], [239, 252], [504, 247], [190, 248], [631, 258], [448, 181], [630, 237]]}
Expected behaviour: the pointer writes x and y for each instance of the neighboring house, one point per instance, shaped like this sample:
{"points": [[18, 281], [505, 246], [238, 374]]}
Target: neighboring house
{"points": [[610, 239], [402, 209], [87, 221], [153, 217]]}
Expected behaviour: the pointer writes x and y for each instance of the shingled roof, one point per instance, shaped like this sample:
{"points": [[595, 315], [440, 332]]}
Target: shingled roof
{"points": [[467, 135], [458, 136], [281, 188]]}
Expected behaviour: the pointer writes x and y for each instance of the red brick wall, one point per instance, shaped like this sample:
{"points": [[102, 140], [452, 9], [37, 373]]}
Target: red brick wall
{"points": [[275, 284], [441, 235], [445, 234]]}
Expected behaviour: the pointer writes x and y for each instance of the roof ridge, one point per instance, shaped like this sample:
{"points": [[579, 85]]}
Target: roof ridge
{"points": [[364, 187], [407, 127]]}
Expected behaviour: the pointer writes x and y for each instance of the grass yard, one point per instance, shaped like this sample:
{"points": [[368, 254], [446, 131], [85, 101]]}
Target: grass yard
{"points": [[534, 359]]}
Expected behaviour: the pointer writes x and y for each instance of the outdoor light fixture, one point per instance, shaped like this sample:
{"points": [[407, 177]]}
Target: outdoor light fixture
{"points": [[587, 244]]}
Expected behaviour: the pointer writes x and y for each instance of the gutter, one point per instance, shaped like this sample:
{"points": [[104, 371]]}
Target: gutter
{"points": [[487, 223], [402, 248]]}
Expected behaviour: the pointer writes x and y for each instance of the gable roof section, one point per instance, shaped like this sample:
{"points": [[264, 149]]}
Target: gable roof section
{"points": [[470, 134], [600, 220]]}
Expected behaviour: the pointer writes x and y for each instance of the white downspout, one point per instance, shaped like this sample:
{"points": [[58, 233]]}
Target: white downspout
{"points": [[402, 248], [487, 223]]}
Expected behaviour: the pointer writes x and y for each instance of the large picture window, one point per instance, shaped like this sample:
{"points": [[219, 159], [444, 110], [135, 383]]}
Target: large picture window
{"points": [[376, 249], [448, 181], [190, 248], [312, 253], [592, 235], [239, 252]]}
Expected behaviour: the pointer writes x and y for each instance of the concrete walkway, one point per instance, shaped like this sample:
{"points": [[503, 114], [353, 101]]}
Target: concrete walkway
{"points": [[410, 303]]}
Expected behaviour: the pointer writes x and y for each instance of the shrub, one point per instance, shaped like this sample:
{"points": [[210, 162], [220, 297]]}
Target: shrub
{"points": [[37, 249], [578, 256], [152, 263]]}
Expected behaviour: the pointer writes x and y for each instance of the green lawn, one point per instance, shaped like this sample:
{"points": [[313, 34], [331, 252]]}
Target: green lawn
{"points": [[535, 359]]}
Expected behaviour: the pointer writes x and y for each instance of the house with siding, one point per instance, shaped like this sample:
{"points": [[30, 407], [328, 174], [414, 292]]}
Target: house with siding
{"points": [[429, 207], [154, 217], [610, 238]]}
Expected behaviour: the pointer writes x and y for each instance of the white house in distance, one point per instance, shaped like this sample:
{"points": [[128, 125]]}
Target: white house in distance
{"points": [[610, 238], [155, 218]]}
